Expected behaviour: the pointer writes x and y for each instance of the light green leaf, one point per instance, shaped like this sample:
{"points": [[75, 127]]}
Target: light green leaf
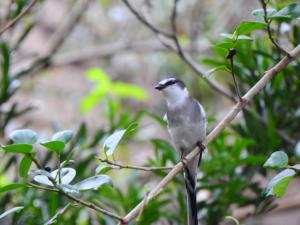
{"points": [[68, 189], [66, 174], [56, 146], [213, 70], [291, 11], [128, 91], [278, 185], [24, 166], [11, 187], [24, 136], [102, 168], [64, 136], [236, 38], [18, 148], [15, 209], [112, 141], [94, 182], [247, 27], [259, 14], [278, 159]]}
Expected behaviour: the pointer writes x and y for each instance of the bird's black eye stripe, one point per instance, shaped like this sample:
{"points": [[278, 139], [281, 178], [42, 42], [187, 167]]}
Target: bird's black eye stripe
{"points": [[170, 82]]}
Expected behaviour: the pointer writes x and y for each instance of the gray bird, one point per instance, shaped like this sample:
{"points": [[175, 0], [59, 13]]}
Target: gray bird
{"points": [[187, 128]]}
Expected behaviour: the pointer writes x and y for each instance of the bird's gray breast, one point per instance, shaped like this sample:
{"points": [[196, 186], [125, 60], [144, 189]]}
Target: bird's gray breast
{"points": [[186, 124]]}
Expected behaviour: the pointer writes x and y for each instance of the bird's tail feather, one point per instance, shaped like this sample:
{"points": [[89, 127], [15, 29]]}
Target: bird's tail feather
{"points": [[190, 183]]}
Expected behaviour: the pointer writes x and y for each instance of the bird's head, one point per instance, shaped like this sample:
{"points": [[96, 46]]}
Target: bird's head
{"points": [[173, 89]]}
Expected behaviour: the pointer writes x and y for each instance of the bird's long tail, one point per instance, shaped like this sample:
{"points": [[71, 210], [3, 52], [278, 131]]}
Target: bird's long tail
{"points": [[190, 183]]}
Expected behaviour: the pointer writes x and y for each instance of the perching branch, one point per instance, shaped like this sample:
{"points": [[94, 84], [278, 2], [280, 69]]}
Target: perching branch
{"points": [[268, 22], [216, 131], [121, 166], [19, 17]]}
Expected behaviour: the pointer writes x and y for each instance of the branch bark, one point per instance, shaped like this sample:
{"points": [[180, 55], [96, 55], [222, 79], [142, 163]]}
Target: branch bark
{"points": [[19, 17], [216, 131]]}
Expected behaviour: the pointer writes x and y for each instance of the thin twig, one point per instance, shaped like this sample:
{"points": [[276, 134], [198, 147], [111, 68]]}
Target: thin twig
{"points": [[268, 22], [121, 166], [55, 42], [218, 129], [16, 19], [144, 21], [78, 200], [35, 161]]}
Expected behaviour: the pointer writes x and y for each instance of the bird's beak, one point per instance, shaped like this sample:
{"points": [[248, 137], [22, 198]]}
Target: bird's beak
{"points": [[159, 87]]}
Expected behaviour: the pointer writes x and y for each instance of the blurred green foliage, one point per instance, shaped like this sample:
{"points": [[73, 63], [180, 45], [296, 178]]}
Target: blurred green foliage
{"points": [[228, 168]]}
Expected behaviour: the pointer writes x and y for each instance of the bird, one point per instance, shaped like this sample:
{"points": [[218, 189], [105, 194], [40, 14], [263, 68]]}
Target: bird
{"points": [[186, 121]]}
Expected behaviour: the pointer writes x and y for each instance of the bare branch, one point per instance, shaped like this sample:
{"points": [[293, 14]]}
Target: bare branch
{"points": [[144, 21], [121, 166], [55, 42], [19, 17], [217, 130], [268, 22]]}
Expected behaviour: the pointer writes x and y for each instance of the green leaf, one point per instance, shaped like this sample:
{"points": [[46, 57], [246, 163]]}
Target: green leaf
{"points": [[18, 148], [56, 146], [11, 187], [291, 11], [24, 136], [278, 159], [247, 27], [102, 168], [24, 166], [7, 212], [112, 141], [259, 14], [213, 70], [94, 183], [297, 150], [64, 136], [128, 91], [68, 189], [278, 185]]}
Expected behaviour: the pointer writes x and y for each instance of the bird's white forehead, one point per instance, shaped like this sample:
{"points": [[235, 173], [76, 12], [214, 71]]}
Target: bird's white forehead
{"points": [[164, 81]]}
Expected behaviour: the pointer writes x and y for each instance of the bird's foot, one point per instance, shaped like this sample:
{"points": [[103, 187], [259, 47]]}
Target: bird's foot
{"points": [[201, 146]]}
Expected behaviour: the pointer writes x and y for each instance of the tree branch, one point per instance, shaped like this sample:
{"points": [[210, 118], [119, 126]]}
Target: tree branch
{"points": [[216, 131], [121, 166], [19, 17]]}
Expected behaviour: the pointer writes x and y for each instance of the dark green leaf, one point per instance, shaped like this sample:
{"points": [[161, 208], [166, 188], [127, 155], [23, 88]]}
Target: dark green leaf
{"points": [[56, 146], [24, 166], [18, 148], [11, 187], [279, 183], [7, 212], [94, 182], [291, 11], [63, 136], [277, 159], [24, 136]]}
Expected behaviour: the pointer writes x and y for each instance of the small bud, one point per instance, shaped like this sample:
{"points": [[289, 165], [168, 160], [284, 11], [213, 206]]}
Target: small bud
{"points": [[231, 53]]}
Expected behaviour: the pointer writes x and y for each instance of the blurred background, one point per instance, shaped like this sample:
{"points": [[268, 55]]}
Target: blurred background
{"points": [[91, 65]]}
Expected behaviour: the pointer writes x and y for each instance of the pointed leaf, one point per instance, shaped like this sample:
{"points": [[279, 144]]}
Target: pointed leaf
{"points": [[56, 146], [63, 136], [102, 168], [24, 136], [246, 27], [11, 187], [57, 214], [94, 182], [291, 11], [18, 148], [278, 159], [278, 185], [259, 13], [24, 166], [15, 209], [112, 141]]}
